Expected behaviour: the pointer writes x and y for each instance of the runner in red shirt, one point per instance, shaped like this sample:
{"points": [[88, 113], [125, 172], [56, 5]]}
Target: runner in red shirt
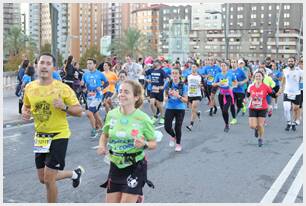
{"points": [[258, 106]]}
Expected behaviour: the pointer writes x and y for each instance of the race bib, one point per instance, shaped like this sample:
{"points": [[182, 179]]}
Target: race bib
{"points": [[224, 83], [155, 89], [291, 96], [256, 102], [193, 90], [42, 144], [210, 79]]}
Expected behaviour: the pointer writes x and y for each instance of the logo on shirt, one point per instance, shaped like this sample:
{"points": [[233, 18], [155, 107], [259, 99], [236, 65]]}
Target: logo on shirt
{"points": [[42, 111]]}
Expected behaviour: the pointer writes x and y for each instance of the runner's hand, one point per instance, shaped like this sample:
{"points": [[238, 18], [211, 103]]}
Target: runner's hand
{"points": [[101, 150], [139, 143], [26, 113], [58, 103]]}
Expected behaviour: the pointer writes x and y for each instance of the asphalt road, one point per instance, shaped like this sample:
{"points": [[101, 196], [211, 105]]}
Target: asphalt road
{"points": [[214, 167]]}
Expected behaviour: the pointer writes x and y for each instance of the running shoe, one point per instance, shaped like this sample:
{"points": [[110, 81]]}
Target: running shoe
{"points": [[178, 148], [226, 128], [199, 115], [260, 142], [293, 127], [288, 127], [275, 106], [153, 119], [298, 122], [93, 132], [161, 120], [243, 109], [234, 121], [256, 133], [215, 110], [189, 127], [270, 113], [172, 142], [79, 171], [210, 112]]}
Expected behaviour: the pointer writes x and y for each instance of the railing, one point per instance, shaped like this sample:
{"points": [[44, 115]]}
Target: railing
{"points": [[9, 80]]}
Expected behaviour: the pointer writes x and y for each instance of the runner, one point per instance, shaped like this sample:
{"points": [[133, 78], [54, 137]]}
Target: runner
{"points": [[209, 72], [49, 101], [258, 106], [176, 99], [109, 91], [225, 80], [194, 81], [298, 121], [277, 76], [127, 133], [239, 92], [132, 69], [158, 77], [292, 94], [92, 80], [122, 78]]}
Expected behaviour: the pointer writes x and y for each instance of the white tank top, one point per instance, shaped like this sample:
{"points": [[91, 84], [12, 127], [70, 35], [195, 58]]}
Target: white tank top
{"points": [[194, 85], [293, 79]]}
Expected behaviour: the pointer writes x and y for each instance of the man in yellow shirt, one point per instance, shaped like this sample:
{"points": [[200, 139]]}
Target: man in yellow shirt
{"points": [[48, 101]]}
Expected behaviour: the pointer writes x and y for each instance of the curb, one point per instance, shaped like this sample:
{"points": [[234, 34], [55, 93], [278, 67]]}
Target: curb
{"points": [[16, 123]]}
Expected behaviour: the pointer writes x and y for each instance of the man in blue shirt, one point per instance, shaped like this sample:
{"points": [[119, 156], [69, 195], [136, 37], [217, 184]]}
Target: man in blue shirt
{"points": [[209, 73], [93, 80]]}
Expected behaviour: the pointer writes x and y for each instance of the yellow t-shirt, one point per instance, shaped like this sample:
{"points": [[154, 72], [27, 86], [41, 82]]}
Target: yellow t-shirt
{"points": [[48, 119], [111, 76]]}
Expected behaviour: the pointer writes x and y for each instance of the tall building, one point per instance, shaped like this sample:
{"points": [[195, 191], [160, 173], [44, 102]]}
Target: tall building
{"points": [[203, 19], [117, 17], [147, 21], [35, 24], [253, 31], [171, 13], [85, 27], [45, 22], [11, 16]]}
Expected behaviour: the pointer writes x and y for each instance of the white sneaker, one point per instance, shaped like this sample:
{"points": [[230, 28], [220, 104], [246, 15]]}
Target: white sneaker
{"points": [[275, 106], [298, 122], [172, 142], [178, 148]]}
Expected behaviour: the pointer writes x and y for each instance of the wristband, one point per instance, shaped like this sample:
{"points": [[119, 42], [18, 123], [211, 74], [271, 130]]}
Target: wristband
{"points": [[66, 109]]}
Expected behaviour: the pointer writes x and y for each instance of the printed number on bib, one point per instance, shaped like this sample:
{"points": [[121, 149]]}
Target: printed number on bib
{"points": [[256, 102], [193, 90], [42, 144], [210, 78], [224, 83]]}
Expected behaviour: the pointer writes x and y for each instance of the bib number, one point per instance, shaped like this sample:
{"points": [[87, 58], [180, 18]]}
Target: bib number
{"points": [[42, 144], [257, 103], [224, 83], [193, 90], [210, 78], [291, 96], [155, 89]]}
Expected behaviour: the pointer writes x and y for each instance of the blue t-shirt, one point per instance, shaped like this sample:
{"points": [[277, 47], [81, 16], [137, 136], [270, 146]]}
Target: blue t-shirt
{"points": [[26, 79], [174, 102], [225, 79], [93, 80], [211, 71], [186, 73], [158, 77], [240, 75], [275, 75], [167, 70], [56, 76]]}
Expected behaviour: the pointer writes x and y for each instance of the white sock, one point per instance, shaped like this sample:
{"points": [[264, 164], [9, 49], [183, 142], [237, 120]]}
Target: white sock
{"points": [[74, 175]]}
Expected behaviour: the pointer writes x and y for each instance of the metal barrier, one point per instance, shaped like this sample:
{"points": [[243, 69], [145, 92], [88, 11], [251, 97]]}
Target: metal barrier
{"points": [[9, 80]]}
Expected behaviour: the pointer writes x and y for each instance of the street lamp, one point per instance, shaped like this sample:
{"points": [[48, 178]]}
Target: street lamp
{"points": [[226, 25]]}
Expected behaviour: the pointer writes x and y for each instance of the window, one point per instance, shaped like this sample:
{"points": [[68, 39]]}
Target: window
{"points": [[232, 17], [277, 7], [240, 8], [253, 24], [254, 8], [262, 16], [240, 24], [287, 7], [232, 8], [253, 16], [270, 15], [240, 16], [286, 23], [270, 8], [286, 15], [262, 8]]}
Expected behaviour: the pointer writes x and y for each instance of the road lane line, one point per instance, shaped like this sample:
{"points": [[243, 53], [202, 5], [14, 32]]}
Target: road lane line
{"points": [[277, 185], [294, 188], [12, 136]]}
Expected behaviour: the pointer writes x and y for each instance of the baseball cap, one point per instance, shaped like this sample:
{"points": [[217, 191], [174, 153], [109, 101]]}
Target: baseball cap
{"points": [[240, 61]]}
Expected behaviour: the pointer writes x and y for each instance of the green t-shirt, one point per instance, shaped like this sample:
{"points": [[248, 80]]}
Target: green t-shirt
{"points": [[122, 128]]}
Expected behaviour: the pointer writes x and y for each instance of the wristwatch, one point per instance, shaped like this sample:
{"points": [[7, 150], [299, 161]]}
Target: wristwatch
{"points": [[66, 109]]}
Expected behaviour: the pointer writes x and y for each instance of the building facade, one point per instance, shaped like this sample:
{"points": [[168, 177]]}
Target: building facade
{"points": [[167, 14], [258, 30], [35, 24], [11, 16], [85, 27]]}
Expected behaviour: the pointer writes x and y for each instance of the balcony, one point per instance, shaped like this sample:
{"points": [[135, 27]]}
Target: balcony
{"points": [[291, 43], [284, 51]]}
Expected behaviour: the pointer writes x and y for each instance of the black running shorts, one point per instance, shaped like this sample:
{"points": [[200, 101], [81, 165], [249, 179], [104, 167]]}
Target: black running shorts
{"points": [[257, 113], [129, 180], [55, 159]]}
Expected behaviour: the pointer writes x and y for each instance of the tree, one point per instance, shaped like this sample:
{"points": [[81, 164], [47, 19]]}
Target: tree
{"points": [[92, 52], [14, 41], [133, 43]]}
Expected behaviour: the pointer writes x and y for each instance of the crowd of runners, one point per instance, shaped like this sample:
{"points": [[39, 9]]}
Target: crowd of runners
{"points": [[236, 86]]}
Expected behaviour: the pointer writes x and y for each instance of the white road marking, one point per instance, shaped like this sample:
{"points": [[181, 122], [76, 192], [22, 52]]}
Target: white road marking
{"points": [[12, 136], [295, 188], [277, 185]]}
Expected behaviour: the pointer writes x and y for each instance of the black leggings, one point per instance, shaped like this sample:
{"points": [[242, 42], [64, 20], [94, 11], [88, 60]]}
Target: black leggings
{"points": [[178, 114], [238, 100], [225, 107]]}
